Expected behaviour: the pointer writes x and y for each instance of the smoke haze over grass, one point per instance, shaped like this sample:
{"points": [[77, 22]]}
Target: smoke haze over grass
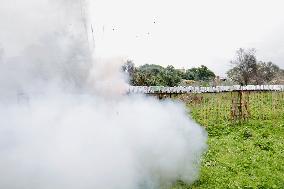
{"points": [[64, 122]]}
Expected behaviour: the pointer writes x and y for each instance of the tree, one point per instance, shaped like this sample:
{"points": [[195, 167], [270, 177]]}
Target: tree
{"points": [[151, 68], [245, 70], [191, 74], [153, 74], [171, 77], [147, 75], [138, 79], [204, 74], [199, 74], [156, 75], [280, 77], [266, 72], [248, 71]]}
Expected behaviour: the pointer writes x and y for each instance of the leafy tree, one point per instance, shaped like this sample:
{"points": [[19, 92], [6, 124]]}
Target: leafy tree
{"points": [[151, 68], [156, 75], [138, 79], [199, 74], [191, 74], [204, 74], [147, 75], [153, 74], [171, 77]]}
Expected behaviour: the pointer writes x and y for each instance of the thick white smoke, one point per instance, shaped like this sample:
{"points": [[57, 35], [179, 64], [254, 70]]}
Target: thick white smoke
{"points": [[63, 121]]}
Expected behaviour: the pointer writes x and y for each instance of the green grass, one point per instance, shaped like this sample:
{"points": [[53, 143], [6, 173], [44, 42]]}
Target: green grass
{"points": [[249, 154]]}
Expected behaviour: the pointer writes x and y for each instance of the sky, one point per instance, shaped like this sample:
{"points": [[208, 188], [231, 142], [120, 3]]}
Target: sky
{"points": [[183, 33], [188, 33]]}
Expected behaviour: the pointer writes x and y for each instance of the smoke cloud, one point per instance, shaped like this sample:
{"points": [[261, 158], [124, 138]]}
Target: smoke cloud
{"points": [[65, 121]]}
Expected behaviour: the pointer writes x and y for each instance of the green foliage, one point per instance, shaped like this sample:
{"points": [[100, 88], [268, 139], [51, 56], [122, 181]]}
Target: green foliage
{"points": [[240, 155], [156, 75], [171, 76], [148, 75], [199, 74]]}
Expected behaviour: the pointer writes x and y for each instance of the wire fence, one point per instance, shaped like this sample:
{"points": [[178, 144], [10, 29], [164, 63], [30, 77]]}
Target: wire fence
{"points": [[194, 89], [236, 106], [223, 104]]}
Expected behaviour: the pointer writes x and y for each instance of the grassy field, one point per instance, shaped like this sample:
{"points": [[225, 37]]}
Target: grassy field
{"points": [[246, 154]]}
